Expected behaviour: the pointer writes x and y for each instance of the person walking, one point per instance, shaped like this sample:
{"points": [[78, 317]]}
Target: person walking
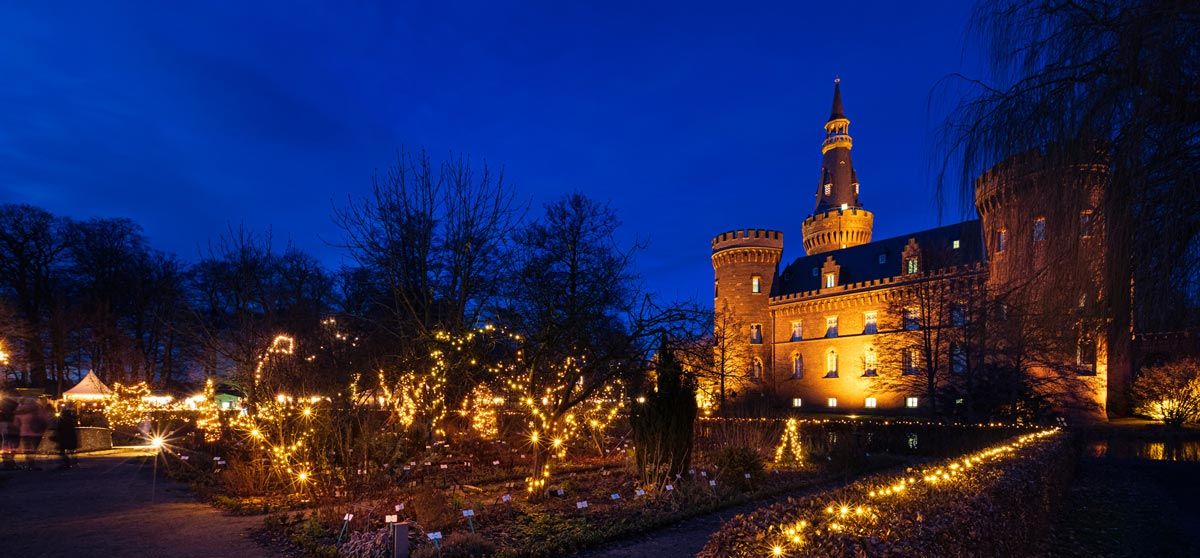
{"points": [[66, 435], [31, 422], [10, 433]]}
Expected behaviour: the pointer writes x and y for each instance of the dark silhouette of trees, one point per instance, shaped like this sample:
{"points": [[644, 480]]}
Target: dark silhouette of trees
{"points": [[1116, 83]]}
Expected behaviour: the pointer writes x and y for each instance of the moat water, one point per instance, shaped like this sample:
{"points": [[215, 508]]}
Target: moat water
{"points": [[1165, 450]]}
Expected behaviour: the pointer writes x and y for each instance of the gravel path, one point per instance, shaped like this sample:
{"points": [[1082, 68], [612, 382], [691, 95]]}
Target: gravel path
{"points": [[104, 509]]}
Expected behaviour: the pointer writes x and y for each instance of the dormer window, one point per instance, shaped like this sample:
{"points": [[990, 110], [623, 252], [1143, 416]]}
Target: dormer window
{"points": [[883, 258], [816, 271], [830, 280], [756, 284], [912, 265], [956, 244]]}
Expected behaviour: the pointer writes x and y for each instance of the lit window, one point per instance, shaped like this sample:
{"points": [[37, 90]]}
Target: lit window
{"points": [[870, 323], [797, 366], [831, 402], [870, 363], [1039, 229], [716, 288], [756, 369], [831, 364], [883, 258], [756, 284], [856, 188], [845, 206], [796, 402], [828, 189], [911, 402], [1001, 240], [912, 265], [912, 319], [756, 334], [956, 244], [958, 358], [830, 280], [797, 333], [831, 326], [870, 403]]}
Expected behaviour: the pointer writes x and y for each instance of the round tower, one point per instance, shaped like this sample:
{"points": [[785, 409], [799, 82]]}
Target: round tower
{"points": [[744, 263], [838, 220]]}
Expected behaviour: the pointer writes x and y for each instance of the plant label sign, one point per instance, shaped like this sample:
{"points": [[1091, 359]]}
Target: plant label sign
{"points": [[615, 496], [670, 487], [712, 483], [348, 517], [435, 536], [704, 473], [444, 466], [389, 519], [185, 457], [468, 513], [506, 498], [640, 492], [497, 462], [582, 504], [399, 506], [216, 459], [560, 492], [747, 475]]}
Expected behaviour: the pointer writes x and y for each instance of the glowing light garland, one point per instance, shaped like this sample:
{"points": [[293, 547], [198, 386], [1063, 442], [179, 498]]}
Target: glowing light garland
{"points": [[861, 515], [788, 452]]}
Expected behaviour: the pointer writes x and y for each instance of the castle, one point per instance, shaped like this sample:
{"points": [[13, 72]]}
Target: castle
{"points": [[932, 318]]}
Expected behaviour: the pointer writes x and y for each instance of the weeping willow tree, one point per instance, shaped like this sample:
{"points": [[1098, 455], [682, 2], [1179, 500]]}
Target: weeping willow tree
{"points": [[1111, 81]]}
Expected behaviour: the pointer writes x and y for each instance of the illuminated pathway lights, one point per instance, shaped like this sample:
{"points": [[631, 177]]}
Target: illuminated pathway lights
{"points": [[863, 514]]}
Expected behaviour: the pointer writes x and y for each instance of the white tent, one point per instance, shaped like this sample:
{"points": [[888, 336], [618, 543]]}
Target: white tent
{"points": [[90, 388]]}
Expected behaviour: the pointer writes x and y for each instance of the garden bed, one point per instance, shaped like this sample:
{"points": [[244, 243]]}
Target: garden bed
{"points": [[994, 502]]}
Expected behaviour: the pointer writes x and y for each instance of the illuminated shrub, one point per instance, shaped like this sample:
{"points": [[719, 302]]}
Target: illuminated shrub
{"points": [[734, 463], [1169, 392]]}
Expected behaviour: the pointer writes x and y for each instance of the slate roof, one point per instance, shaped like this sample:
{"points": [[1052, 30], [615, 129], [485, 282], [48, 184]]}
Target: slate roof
{"points": [[862, 263]]}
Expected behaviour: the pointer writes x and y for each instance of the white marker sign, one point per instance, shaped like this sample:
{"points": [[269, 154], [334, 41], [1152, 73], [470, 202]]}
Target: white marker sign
{"points": [[389, 519], [670, 488], [615, 496], [505, 498], [468, 513], [582, 504], [640, 492], [435, 536]]}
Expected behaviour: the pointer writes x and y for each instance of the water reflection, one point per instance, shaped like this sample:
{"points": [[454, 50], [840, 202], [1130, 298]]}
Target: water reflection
{"points": [[1167, 450]]}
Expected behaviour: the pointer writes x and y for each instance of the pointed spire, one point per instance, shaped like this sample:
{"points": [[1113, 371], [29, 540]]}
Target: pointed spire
{"points": [[837, 111]]}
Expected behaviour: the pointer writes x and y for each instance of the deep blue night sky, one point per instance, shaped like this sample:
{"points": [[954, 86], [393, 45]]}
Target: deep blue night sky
{"points": [[690, 120]]}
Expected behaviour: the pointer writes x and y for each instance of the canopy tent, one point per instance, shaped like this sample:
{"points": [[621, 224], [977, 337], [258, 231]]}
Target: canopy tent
{"points": [[90, 388]]}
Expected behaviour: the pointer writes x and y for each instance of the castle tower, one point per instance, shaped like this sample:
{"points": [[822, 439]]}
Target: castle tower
{"points": [[745, 263], [838, 220]]}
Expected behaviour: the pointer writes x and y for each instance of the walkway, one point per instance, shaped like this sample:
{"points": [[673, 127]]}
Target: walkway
{"points": [[104, 508]]}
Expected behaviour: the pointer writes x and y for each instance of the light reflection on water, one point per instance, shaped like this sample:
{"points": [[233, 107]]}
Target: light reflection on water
{"points": [[1171, 450]]}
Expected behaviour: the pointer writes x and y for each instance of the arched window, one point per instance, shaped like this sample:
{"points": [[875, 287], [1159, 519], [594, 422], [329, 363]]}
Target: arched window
{"points": [[831, 364], [870, 362], [797, 366], [756, 369]]}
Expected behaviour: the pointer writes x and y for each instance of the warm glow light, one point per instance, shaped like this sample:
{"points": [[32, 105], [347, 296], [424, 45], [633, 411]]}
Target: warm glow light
{"points": [[157, 442]]}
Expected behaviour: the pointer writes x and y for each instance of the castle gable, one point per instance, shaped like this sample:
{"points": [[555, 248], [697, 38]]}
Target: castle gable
{"points": [[885, 258]]}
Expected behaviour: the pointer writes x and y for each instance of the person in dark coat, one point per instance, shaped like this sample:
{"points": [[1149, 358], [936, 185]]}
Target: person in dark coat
{"points": [[66, 435]]}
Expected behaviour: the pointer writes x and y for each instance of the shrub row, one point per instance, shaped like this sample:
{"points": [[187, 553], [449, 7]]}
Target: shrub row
{"points": [[995, 502]]}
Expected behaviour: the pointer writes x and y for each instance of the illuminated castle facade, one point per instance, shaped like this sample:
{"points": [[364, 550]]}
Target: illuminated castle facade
{"points": [[850, 327]]}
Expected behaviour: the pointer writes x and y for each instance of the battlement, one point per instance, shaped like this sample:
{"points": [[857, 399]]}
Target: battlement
{"points": [[1033, 162], [748, 238], [950, 272], [835, 213]]}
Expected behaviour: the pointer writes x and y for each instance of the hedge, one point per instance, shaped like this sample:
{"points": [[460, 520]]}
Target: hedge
{"points": [[994, 502]]}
